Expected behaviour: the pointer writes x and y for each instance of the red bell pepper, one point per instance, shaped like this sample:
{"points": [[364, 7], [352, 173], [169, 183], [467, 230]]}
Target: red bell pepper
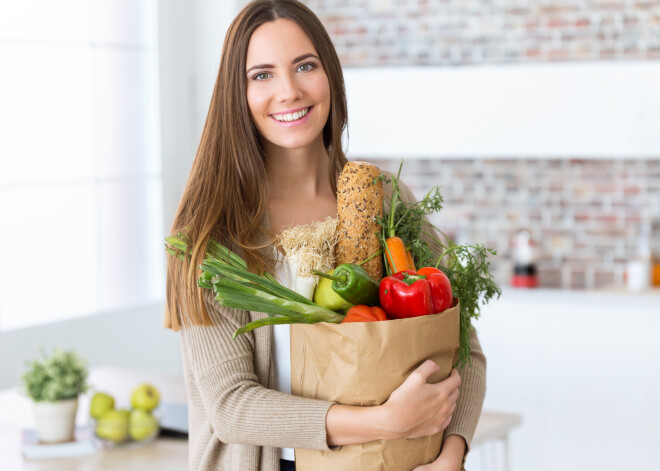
{"points": [[405, 294], [362, 313], [441, 295], [411, 294]]}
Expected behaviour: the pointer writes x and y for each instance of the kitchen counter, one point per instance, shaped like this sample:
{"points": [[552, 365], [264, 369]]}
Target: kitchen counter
{"points": [[583, 370], [165, 453], [604, 296]]}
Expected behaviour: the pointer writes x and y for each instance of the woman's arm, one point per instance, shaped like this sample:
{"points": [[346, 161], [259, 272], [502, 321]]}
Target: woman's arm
{"points": [[414, 409], [228, 380], [241, 410], [451, 457], [473, 392]]}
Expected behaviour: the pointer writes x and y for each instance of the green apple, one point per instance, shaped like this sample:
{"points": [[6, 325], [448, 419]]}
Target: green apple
{"points": [[113, 425], [142, 424], [101, 402], [125, 413], [145, 397]]}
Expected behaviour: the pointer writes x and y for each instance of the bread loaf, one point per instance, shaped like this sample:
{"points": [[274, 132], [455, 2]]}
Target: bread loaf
{"points": [[359, 203]]}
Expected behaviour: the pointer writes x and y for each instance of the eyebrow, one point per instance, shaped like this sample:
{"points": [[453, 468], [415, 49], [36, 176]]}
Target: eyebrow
{"points": [[271, 66]]}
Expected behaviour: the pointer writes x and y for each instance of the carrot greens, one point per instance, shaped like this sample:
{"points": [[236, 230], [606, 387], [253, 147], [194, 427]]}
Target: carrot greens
{"points": [[466, 266]]}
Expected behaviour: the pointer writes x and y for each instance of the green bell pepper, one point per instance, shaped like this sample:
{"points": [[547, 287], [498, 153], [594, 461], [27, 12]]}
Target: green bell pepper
{"points": [[353, 283], [326, 297]]}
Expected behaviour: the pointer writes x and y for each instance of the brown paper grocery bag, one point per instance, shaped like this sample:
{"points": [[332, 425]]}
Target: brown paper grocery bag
{"points": [[361, 364]]}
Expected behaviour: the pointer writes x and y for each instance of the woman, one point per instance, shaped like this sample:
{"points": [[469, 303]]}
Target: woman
{"points": [[269, 157]]}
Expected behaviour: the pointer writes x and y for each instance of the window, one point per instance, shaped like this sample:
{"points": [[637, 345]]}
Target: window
{"points": [[80, 170]]}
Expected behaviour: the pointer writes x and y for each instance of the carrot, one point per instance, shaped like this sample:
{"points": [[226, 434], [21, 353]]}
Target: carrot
{"points": [[396, 254], [411, 261]]}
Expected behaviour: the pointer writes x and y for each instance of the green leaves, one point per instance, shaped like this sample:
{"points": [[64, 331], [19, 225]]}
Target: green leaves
{"points": [[409, 222], [234, 286], [59, 377], [466, 266], [255, 297]]}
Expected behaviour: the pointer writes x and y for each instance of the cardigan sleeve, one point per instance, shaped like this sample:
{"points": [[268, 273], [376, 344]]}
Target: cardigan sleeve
{"points": [[473, 375], [472, 393], [239, 408]]}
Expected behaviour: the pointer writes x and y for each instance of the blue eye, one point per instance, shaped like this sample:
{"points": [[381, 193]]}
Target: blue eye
{"points": [[306, 67], [261, 76]]}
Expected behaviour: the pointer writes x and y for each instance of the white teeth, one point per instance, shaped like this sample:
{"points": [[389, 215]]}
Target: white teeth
{"points": [[291, 116]]}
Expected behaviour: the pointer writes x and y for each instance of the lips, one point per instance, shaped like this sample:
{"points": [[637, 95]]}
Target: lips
{"points": [[291, 116]]}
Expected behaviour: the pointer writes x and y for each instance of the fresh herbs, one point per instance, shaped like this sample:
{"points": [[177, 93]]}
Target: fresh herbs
{"points": [[406, 220], [466, 266]]}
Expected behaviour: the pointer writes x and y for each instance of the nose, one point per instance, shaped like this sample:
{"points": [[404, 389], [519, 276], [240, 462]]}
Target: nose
{"points": [[289, 89]]}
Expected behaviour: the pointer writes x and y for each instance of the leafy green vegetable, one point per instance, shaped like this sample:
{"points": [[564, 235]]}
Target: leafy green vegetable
{"points": [[234, 286], [407, 219], [59, 377], [466, 266]]}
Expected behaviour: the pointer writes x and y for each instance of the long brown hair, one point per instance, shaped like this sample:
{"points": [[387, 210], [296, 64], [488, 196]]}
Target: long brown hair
{"points": [[225, 195]]}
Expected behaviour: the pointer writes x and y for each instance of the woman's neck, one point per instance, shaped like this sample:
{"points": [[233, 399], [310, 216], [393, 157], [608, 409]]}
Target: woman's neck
{"points": [[298, 172]]}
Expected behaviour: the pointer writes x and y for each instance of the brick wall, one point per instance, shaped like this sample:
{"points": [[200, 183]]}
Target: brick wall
{"points": [[464, 32], [584, 216]]}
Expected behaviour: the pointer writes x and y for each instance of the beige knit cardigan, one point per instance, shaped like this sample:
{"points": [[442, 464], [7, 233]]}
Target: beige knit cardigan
{"points": [[237, 423]]}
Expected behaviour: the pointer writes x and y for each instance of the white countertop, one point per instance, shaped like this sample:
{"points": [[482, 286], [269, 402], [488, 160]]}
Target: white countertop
{"points": [[606, 296]]}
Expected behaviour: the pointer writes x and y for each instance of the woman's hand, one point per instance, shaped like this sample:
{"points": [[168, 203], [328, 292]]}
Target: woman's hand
{"points": [[414, 409], [417, 408], [451, 456]]}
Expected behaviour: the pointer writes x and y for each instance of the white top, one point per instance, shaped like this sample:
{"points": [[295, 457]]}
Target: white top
{"points": [[282, 343]]}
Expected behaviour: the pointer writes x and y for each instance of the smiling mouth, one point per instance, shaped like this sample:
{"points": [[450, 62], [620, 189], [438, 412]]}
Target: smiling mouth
{"points": [[292, 117]]}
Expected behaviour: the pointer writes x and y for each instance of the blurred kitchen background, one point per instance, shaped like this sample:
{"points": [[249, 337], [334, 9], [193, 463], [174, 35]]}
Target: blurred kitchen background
{"points": [[535, 117], [555, 108]]}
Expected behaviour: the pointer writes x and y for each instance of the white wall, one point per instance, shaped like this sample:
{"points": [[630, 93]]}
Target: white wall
{"points": [[132, 338], [573, 110], [190, 42]]}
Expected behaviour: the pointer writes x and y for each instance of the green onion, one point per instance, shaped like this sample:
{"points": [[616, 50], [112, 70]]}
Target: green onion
{"points": [[234, 286]]}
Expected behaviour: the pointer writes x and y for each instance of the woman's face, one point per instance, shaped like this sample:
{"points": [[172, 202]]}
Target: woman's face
{"points": [[287, 89]]}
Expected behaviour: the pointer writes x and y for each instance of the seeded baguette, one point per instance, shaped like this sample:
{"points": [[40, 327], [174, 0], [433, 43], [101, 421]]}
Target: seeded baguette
{"points": [[359, 202]]}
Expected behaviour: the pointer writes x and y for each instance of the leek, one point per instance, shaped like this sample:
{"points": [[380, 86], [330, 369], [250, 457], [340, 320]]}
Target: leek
{"points": [[234, 286]]}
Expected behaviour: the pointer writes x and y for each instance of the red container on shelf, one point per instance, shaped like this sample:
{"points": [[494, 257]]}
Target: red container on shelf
{"points": [[524, 270]]}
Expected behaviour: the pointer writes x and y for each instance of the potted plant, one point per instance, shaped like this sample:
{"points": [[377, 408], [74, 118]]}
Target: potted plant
{"points": [[54, 385]]}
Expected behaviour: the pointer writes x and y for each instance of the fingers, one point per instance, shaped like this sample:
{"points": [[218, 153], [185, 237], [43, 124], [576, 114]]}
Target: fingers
{"points": [[426, 369], [446, 411], [453, 397], [453, 381], [446, 422], [418, 408]]}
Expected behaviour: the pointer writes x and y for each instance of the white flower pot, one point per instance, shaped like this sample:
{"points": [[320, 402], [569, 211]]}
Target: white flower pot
{"points": [[56, 421]]}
